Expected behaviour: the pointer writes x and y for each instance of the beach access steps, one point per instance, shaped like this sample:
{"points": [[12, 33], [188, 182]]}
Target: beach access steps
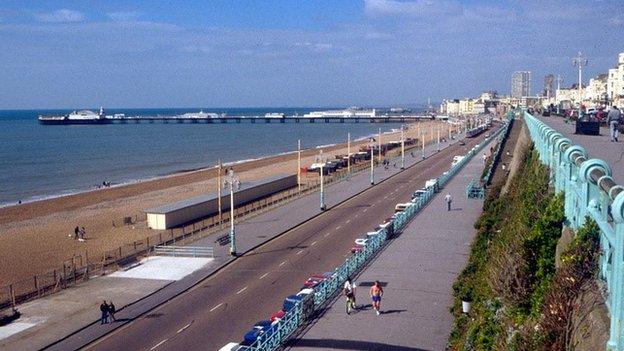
{"points": [[184, 251]]}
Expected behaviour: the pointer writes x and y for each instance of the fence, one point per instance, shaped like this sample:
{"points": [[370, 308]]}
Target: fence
{"points": [[323, 292], [184, 251], [589, 192]]}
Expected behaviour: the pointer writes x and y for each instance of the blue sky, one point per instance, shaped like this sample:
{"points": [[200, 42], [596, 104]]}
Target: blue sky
{"points": [[71, 54]]}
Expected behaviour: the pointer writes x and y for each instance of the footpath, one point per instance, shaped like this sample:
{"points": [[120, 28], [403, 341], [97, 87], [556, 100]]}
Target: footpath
{"points": [[597, 146], [70, 319], [416, 270]]}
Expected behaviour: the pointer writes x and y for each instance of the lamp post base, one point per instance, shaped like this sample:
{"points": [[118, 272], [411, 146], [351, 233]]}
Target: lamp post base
{"points": [[323, 208], [233, 253], [402, 168]]}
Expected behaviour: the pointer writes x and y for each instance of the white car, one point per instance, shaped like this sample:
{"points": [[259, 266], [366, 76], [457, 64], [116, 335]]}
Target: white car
{"points": [[232, 346], [361, 241]]}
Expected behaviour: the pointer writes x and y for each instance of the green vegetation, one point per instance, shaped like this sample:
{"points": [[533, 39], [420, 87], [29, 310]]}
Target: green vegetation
{"points": [[511, 276]]}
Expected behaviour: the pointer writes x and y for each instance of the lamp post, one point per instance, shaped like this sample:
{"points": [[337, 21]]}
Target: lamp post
{"points": [[379, 146], [320, 158], [438, 148], [422, 138], [299, 165], [219, 193], [230, 182], [580, 61], [402, 147], [348, 154], [371, 145]]}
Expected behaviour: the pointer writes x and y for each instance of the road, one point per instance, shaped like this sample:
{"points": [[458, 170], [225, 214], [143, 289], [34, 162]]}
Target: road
{"points": [[224, 306]]}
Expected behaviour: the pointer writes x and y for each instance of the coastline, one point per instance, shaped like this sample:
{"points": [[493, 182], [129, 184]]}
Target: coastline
{"points": [[37, 237]]}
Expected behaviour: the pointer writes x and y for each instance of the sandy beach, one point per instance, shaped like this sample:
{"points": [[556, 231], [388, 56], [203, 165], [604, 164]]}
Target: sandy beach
{"points": [[37, 237]]}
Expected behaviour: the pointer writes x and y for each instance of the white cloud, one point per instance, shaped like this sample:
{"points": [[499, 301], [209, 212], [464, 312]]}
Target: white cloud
{"points": [[123, 16], [62, 15], [417, 8]]}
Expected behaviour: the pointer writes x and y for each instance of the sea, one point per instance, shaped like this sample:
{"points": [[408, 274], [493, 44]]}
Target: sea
{"points": [[44, 161]]}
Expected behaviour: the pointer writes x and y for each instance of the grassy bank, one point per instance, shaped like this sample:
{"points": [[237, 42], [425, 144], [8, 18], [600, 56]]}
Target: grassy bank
{"points": [[510, 278]]}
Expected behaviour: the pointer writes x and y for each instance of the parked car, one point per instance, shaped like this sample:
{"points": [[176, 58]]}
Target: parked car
{"points": [[357, 248], [432, 183], [232, 346], [361, 241], [277, 315], [419, 193], [401, 207]]}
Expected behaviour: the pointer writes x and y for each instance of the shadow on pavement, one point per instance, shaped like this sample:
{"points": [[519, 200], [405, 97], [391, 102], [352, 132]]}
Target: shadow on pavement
{"points": [[349, 345], [391, 311]]}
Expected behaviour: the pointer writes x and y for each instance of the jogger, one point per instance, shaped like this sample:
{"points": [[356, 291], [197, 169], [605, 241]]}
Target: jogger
{"points": [[376, 292]]}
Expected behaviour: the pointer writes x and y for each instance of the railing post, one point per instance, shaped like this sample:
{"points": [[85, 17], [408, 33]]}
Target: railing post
{"points": [[616, 294]]}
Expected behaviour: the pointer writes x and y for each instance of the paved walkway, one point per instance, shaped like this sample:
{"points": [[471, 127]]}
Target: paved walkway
{"points": [[597, 146], [56, 317], [417, 270]]}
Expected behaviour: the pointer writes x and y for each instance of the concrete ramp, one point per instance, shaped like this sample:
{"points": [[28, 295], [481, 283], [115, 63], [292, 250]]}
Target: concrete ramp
{"points": [[164, 268]]}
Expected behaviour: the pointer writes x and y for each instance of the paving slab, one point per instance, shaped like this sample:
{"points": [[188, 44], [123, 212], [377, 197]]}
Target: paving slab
{"points": [[597, 146], [418, 269]]}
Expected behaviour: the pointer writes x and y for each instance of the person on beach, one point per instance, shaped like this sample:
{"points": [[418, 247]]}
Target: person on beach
{"points": [[81, 234], [76, 233], [613, 119], [104, 311], [448, 200], [376, 292], [111, 311]]}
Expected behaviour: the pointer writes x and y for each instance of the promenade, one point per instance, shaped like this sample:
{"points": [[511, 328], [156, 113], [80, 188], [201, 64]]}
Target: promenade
{"points": [[416, 270], [597, 146], [60, 317]]}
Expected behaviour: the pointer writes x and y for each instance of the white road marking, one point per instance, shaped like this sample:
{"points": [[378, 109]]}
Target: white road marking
{"points": [[182, 329], [314, 243], [366, 209], [241, 290], [348, 221], [299, 252], [356, 215], [283, 263], [264, 275], [326, 235], [338, 227], [217, 306], [160, 343]]}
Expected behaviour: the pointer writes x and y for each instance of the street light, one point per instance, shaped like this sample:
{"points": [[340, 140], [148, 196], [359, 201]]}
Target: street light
{"points": [[402, 147], [320, 158], [371, 145], [230, 182], [580, 61], [422, 139]]}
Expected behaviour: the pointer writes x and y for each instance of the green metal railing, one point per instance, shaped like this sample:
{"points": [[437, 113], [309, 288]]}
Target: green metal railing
{"points": [[589, 192], [323, 292]]}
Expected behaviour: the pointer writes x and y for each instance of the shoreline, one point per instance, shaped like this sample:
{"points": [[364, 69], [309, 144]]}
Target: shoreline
{"points": [[37, 236], [74, 193], [30, 209]]}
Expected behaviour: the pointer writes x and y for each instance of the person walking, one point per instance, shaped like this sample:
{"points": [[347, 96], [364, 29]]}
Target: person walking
{"points": [[376, 292], [448, 200], [613, 119], [484, 157], [76, 233], [111, 311], [104, 311], [349, 291]]}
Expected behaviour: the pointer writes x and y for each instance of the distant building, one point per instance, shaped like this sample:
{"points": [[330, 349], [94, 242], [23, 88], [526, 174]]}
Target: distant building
{"points": [[615, 83], [596, 91], [521, 84], [548, 85]]}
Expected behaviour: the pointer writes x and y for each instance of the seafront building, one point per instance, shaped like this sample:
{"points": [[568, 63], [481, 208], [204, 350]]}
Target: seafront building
{"points": [[521, 84], [487, 102], [615, 82]]}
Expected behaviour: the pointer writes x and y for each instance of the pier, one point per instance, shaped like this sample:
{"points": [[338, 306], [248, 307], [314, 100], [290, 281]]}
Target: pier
{"points": [[238, 119]]}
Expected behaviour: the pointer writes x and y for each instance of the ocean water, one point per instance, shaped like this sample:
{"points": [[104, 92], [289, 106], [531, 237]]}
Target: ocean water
{"points": [[42, 161]]}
